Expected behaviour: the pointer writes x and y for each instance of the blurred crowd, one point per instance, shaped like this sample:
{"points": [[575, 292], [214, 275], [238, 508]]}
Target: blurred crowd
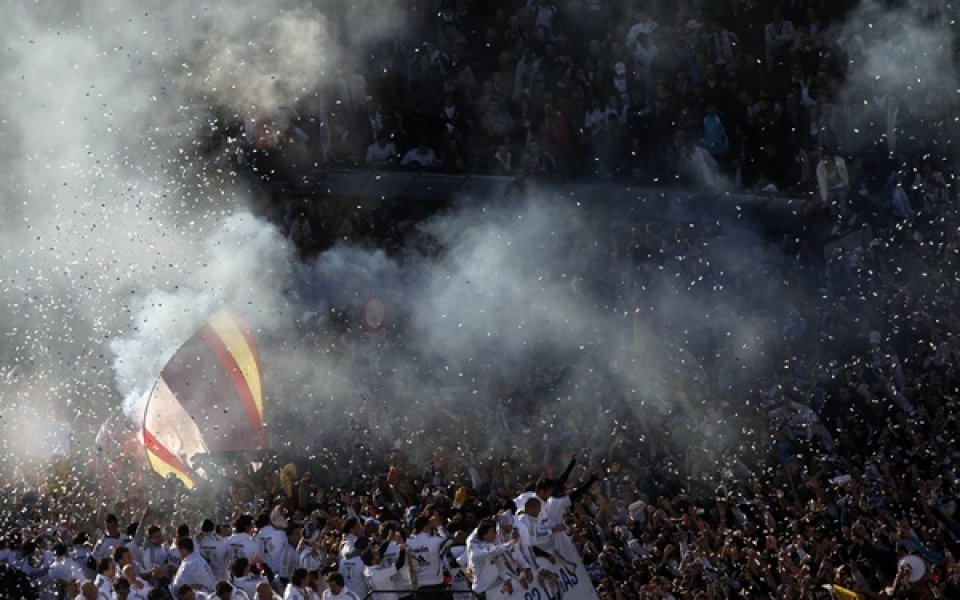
{"points": [[762, 96]]}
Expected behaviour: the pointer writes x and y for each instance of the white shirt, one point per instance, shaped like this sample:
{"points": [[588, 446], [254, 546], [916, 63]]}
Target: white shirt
{"points": [[402, 580], [379, 154], [425, 157], [242, 545], [195, 572], [248, 584], [155, 556], [65, 569], [105, 546], [272, 543], [295, 593], [380, 577], [424, 550], [353, 576], [344, 594], [215, 551], [103, 584], [481, 556]]}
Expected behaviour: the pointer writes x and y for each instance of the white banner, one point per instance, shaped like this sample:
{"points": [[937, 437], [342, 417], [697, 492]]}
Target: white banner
{"points": [[566, 580]]}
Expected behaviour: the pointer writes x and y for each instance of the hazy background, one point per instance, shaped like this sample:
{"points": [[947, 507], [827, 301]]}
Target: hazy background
{"points": [[122, 233]]}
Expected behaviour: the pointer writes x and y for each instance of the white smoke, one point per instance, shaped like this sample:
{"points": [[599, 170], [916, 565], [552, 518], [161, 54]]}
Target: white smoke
{"points": [[122, 230], [907, 51]]}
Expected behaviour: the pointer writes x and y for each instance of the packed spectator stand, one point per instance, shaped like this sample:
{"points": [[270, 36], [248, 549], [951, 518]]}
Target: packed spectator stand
{"points": [[735, 94]]}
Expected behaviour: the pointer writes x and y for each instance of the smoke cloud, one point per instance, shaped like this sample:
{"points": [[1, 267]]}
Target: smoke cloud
{"points": [[125, 229], [123, 226]]}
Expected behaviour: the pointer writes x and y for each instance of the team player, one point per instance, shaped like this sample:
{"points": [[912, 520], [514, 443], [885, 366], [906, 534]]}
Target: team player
{"points": [[427, 547], [242, 543], [213, 548], [352, 568], [272, 541], [336, 589]]}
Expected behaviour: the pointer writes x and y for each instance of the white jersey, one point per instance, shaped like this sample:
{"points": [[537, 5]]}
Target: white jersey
{"points": [[380, 578], [105, 546], [248, 584], [555, 509], [215, 551], [296, 593], [195, 572], [482, 561], [288, 561], [65, 569], [311, 558], [344, 594], [156, 555], [353, 577], [459, 583], [346, 546], [273, 543], [425, 552], [402, 580], [242, 545]]}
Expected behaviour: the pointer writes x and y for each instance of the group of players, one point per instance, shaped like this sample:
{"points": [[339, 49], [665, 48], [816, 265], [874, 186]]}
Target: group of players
{"points": [[297, 556]]}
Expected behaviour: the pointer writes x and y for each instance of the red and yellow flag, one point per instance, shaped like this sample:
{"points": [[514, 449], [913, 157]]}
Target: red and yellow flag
{"points": [[208, 399]]}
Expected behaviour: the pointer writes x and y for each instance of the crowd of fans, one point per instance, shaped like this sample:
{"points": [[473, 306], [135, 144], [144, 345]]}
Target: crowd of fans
{"points": [[738, 93], [831, 471]]}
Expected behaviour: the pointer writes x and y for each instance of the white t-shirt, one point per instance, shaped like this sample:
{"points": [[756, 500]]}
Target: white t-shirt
{"points": [[242, 545], [424, 550]]}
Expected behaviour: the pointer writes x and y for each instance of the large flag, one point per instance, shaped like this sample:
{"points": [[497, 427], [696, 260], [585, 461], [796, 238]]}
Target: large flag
{"points": [[208, 399]]}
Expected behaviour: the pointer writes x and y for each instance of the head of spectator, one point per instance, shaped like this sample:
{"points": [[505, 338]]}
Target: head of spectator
{"points": [[243, 524], [532, 507], [185, 546], [264, 591], [122, 556], [185, 592], [121, 588], [106, 567], [223, 590], [112, 525], [352, 526]]}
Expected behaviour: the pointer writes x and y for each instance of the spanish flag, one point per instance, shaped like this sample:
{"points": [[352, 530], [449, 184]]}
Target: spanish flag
{"points": [[207, 399]]}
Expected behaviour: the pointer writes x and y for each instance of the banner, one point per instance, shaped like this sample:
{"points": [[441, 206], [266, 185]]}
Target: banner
{"points": [[565, 579]]}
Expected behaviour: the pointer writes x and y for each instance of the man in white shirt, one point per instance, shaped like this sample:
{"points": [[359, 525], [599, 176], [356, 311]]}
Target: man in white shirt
{"points": [[106, 570], [273, 542], [123, 591], [380, 576], [381, 152], [213, 548], [421, 155], [242, 543], [137, 584], [482, 553], [89, 591], [193, 570], [226, 591], [336, 589], [104, 547], [63, 570], [265, 592], [427, 547], [352, 530], [352, 568], [244, 579], [157, 563]]}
